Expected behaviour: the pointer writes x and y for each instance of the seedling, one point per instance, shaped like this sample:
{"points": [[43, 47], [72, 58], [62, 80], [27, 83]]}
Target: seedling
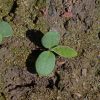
{"points": [[46, 61], [5, 30]]}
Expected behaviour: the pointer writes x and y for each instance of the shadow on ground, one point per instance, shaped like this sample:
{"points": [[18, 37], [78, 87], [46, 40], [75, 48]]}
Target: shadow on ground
{"points": [[31, 59], [35, 37]]}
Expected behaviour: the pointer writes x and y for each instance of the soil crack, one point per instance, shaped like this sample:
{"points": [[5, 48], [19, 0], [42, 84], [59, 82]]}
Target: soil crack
{"points": [[30, 85]]}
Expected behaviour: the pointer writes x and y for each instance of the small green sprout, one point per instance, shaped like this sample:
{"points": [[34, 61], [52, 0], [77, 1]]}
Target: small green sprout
{"points": [[5, 30], [45, 63]]}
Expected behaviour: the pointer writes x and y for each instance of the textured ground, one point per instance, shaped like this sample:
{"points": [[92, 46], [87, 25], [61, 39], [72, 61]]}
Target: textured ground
{"points": [[78, 78]]}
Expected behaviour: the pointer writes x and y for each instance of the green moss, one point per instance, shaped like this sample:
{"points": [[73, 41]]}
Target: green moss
{"points": [[5, 7], [2, 98], [40, 3], [20, 55], [41, 25], [98, 72]]}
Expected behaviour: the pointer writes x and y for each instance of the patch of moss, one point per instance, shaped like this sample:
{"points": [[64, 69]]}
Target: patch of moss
{"points": [[2, 98], [40, 3], [41, 25], [20, 55], [25, 18], [98, 72], [5, 7]]}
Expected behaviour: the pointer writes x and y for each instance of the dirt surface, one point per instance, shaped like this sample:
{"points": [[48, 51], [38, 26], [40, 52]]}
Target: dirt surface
{"points": [[78, 78]]}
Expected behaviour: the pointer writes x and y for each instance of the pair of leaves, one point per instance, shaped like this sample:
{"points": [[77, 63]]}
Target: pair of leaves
{"points": [[5, 30], [46, 61]]}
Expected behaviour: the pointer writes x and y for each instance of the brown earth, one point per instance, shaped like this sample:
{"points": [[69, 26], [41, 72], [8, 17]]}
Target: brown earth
{"points": [[74, 79]]}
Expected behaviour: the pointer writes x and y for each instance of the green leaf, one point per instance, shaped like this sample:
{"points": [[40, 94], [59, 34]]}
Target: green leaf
{"points": [[66, 52], [0, 38], [50, 39], [45, 63], [5, 29]]}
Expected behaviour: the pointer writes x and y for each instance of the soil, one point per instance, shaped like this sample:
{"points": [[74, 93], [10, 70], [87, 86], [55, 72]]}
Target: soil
{"points": [[78, 22]]}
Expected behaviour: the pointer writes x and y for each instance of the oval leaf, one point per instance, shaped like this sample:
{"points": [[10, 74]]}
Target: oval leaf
{"points": [[50, 39], [66, 52], [5, 29], [45, 63], [0, 38]]}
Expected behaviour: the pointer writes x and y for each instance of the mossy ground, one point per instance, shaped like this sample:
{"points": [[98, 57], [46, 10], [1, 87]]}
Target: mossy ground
{"points": [[77, 79]]}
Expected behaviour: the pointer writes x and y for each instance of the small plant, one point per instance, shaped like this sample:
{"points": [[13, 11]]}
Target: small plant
{"points": [[5, 30], [46, 61]]}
